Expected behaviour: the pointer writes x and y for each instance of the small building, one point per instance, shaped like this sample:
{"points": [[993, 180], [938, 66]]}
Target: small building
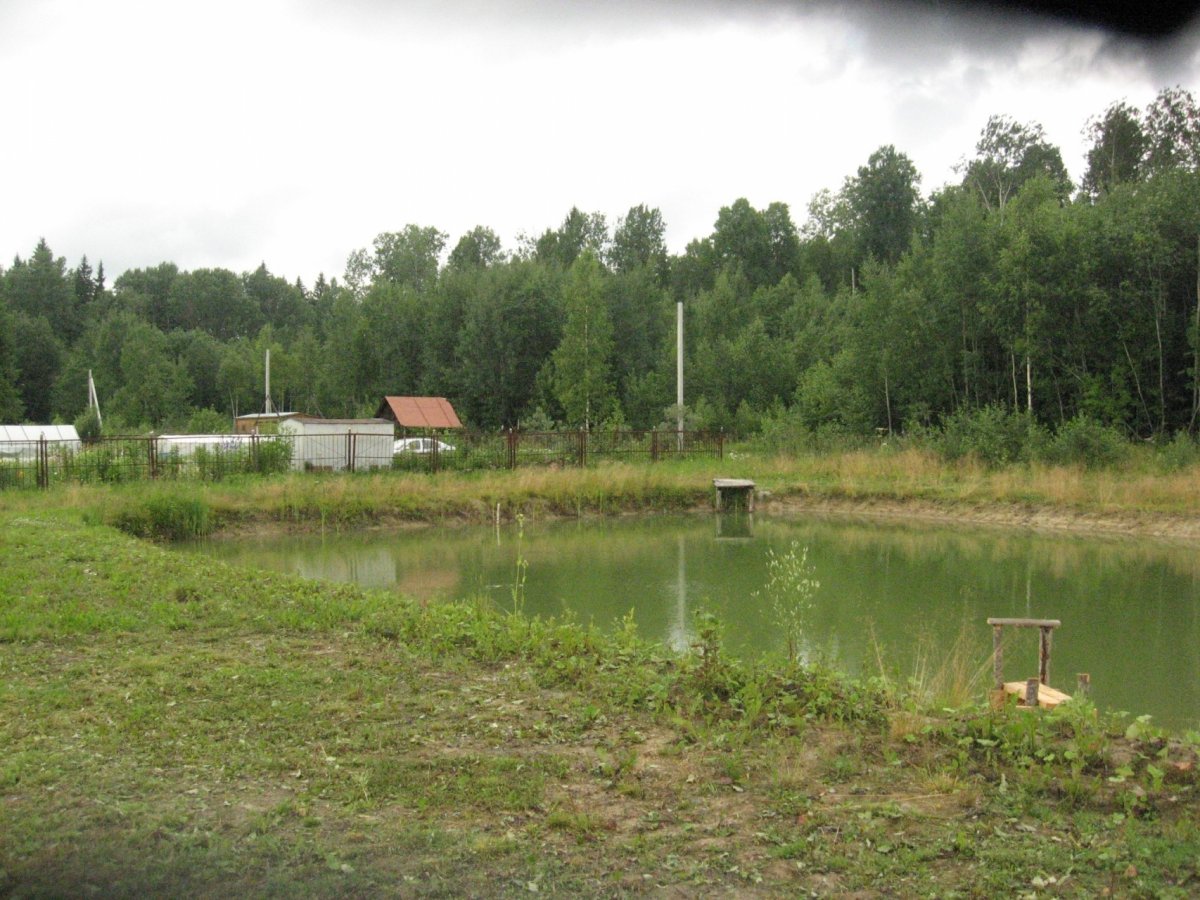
{"points": [[421, 413], [261, 423], [336, 445]]}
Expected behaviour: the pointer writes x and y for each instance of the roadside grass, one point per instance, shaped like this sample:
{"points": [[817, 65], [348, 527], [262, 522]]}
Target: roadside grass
{"points": [[174, 726]]}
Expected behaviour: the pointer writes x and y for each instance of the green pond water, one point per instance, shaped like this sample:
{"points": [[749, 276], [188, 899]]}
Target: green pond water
{"points": [[1130, 609]]}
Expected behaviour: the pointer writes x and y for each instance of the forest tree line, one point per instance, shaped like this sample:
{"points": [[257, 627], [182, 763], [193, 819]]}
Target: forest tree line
{"points": [[1014, 287]]}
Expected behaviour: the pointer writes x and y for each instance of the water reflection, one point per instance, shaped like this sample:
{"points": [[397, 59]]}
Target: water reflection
{"points": [[737, 525], [679, 636], [1130, 609]]}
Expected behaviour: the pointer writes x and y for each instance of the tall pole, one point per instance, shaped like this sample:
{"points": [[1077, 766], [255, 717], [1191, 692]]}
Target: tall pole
{"points": [[267, 385], [93, 399], [679, 370]]}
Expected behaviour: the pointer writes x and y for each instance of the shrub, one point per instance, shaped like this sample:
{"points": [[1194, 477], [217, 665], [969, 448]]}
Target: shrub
{"points": [[1181, 452], [166, 517], [208, 421], [272, 457], [994, 434], [781, 429], [1086, 442], [88, 426]]}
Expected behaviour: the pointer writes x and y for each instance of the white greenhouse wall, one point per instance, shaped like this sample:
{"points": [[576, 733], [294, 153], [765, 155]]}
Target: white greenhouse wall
{"points": [[21, 441]]}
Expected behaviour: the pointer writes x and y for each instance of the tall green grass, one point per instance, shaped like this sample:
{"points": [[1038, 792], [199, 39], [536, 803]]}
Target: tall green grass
{"points": [[1141, 484]]}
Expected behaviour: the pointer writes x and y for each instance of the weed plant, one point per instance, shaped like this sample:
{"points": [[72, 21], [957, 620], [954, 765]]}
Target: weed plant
{"points": [[790, 590]]}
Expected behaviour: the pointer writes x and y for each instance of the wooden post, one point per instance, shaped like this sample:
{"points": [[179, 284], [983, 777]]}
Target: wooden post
{"points": [[1033, 685], [654, 445], [997, 657], [43, 463], [1044, 655]]}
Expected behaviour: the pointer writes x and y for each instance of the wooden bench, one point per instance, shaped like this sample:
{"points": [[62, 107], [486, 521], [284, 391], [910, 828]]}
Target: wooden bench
{"points": [[739, 491]]}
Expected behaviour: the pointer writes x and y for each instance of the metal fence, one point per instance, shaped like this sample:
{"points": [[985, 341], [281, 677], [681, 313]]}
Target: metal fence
{"points": [[557, 449], [41, 463]]}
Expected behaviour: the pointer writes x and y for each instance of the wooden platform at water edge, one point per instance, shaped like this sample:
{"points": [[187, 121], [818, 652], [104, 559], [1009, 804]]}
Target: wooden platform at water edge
{"points": [[1033, 692]]}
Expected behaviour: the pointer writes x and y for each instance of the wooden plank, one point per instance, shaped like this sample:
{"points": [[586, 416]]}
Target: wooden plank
{"points": [[734, 483], [1048, 697], [1026, 623]]}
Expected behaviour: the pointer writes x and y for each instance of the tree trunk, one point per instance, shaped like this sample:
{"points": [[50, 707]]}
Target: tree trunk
{"points": [[1012, 358], [887, 400], [1137, 383], [1028, 384], [966, 356], [1162, 381]]}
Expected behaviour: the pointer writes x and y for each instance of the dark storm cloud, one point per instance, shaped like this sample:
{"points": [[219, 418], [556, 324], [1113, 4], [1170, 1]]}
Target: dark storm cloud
{"points": [[906, 35], [915, 36]]}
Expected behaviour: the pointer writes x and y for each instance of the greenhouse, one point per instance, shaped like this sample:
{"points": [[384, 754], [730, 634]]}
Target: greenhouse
{"points": [[21, 441]]}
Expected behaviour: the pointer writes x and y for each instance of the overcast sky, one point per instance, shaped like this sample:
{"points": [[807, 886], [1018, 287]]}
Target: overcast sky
{"points": [[225, 134]]}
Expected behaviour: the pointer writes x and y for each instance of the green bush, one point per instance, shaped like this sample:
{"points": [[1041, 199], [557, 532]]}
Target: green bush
{"points": [[208, 421], [1179, 453], [166, 517], [1086, 442], [994, 434], [87, 426], [781, 429], [108, 462], [272, 457]]}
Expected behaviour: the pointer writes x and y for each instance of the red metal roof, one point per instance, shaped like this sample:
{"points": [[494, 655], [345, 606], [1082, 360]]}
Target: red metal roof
{"points": [[419, 412]]}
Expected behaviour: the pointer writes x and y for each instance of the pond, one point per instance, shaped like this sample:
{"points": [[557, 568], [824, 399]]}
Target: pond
{"points": [[893, 595]]}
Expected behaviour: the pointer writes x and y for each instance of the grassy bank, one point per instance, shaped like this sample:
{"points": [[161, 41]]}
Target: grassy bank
{"points": [[173, 726], [1137, 493]]}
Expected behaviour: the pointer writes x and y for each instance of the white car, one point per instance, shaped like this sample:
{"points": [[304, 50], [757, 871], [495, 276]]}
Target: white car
{"points": [[421, 445]]}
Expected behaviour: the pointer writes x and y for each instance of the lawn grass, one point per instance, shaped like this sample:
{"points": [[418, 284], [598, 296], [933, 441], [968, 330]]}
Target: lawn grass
{"points": [[172, 726]]}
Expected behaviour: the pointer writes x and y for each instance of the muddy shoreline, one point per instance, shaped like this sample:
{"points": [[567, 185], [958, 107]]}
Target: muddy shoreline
{"points": [[1162, 526], [1133, 525]]}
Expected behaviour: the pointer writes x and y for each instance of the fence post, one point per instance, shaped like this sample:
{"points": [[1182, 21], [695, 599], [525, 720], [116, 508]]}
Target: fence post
{"points": [[351, 447], [583, 436], [43, 463], [433, 454], [512, 448], [254, 451], [721, 444], [654, 445], [152, 455]]}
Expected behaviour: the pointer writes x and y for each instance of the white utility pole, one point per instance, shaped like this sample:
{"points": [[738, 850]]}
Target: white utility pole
{"points": [[93, 399], [679, 368], [267, 388]]}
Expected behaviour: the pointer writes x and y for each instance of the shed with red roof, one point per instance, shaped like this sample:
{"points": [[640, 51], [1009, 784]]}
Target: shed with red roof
{"points": [[427, 413]]}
